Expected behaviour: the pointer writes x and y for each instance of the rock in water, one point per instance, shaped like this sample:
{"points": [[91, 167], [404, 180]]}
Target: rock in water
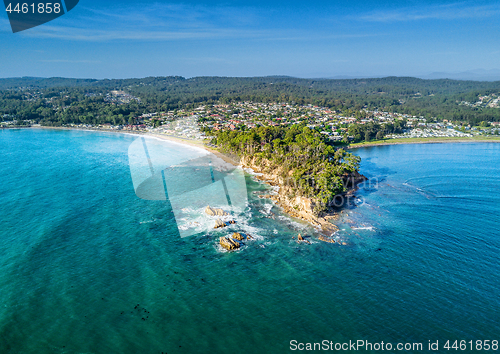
{"points": [[215, 211], [219, 223], [301, 239], [229, 243], [324, 239], [209, 211], [237, 236]]}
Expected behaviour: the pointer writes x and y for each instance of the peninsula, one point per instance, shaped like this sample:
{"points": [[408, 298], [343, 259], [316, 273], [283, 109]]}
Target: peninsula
{"points": [[314, 177]]}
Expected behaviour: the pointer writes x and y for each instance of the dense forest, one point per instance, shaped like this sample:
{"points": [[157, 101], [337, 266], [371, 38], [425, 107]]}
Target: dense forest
{"points": [[372, 131], [305, 160], [58, 101]]}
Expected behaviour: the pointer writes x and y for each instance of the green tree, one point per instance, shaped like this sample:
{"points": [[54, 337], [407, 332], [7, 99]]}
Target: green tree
{"points": [[305, 159]]}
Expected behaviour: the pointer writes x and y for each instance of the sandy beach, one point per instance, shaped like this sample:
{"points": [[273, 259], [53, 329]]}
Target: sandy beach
{"points": [[194, 143]]}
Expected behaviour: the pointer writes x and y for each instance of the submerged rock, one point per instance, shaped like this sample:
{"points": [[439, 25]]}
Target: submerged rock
{"points": [[324, 239], [237, 236], [229, 243], [219, 223], [215, 211]]}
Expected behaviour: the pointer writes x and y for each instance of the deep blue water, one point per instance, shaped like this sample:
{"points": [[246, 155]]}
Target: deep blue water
{"points": [[87, 267]]}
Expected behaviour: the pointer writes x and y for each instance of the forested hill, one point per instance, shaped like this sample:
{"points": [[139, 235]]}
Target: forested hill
{"points": [[430, 98], [302, 88]]}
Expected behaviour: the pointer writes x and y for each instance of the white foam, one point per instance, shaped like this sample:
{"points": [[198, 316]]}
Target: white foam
{"points": [[371, 228], [253, 231], [266, 209], [274, 190], [296, 225], [252, 172]]}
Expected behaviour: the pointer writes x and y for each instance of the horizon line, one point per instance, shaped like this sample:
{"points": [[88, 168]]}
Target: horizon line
{"points": [[426, 77]]}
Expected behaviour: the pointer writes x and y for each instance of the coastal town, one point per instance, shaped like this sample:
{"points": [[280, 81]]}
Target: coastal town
{"points": [[492, 100], [194, 123]]}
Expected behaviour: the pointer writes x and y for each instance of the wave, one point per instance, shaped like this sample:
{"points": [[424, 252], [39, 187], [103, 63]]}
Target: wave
{"points": [[371, 228], [266, 209], [147, 221], [251, 172], [295, 224]]}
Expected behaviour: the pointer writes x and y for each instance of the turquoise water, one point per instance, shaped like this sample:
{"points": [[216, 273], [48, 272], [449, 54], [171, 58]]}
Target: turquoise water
{"points": [[87, 267]]}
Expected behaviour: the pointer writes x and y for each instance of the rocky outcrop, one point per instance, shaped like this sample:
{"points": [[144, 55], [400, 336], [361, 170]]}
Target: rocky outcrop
{"points": [[229, 243], [237, 236], [297, 206], [324, 239], [219, 223], [215, 211], [326, 226]]}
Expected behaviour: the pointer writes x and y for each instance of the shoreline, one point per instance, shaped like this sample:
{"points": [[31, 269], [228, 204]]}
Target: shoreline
{"points": [[199, 144], [193, 143], [281, 200], [299, 207], [408, 141]]}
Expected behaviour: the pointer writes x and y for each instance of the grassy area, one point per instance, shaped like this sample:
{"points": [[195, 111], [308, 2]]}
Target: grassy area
{"points": [[425, 140]]}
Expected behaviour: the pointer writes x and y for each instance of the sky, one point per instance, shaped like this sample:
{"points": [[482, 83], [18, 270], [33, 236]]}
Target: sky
{"points": [[361, 38]]}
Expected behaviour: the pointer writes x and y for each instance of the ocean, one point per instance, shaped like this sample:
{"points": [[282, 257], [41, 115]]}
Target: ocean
{"points": [[86, 266]]}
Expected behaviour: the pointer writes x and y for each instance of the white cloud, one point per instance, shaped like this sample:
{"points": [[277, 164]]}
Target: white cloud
{"points": [[314, 36], [171, 22], [438, 12], [157, 22], [84, 34], [70, 61]]}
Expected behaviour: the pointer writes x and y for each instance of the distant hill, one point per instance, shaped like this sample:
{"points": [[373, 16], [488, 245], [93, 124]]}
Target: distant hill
{"points": [[254, 84], [41, 82], [474, 75]]}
